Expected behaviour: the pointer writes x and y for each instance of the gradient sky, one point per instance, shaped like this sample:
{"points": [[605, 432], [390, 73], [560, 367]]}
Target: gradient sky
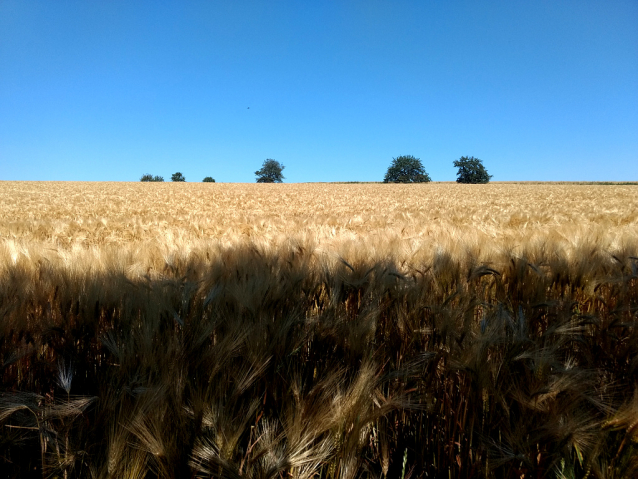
{"points": [[110, 90]]}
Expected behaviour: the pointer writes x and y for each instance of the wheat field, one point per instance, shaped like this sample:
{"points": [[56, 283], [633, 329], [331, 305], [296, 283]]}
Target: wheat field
{"points": [[153, 330], [389, 219]]}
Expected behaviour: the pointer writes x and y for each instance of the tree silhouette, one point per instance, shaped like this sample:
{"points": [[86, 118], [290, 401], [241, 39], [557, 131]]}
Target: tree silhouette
{"points": [[406, 169], [270, 172], [149, 177], [471, 170]]}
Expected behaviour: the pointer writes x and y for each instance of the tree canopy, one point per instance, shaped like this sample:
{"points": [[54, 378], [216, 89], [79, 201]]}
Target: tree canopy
{"points": [[177, 177], [149, 177], [209, 179], [270, 172], [471, 170], [406, 169]]}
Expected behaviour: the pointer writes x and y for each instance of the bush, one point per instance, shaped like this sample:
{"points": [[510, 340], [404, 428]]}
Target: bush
{"points": [[270, 172], [471, 170], [148, 177], [209, 179], [177, 177], [406, 169]]}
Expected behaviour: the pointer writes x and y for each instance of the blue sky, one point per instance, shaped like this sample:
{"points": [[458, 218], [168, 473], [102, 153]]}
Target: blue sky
{"points": [[539, 90]]}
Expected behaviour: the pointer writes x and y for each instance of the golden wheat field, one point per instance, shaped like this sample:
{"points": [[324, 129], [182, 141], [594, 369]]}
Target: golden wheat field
{"points": [[138, 220], [318, 331]]}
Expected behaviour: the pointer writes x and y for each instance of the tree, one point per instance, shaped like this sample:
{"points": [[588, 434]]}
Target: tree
{"points": [[471, 170], [149, 177], [209, 179], [270, 172], [177, 177], [406, 169]]}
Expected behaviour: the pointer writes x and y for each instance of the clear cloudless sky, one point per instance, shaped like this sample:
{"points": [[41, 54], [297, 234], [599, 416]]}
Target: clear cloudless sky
{"points": [[110, 90]]}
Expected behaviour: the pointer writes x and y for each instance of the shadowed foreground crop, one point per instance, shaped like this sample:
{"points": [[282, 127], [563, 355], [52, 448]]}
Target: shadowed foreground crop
{"points": [[266, 364]]}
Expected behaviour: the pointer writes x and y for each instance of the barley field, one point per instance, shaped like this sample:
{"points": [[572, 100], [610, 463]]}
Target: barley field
{"points": [[168, 330], [390, 219]]}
